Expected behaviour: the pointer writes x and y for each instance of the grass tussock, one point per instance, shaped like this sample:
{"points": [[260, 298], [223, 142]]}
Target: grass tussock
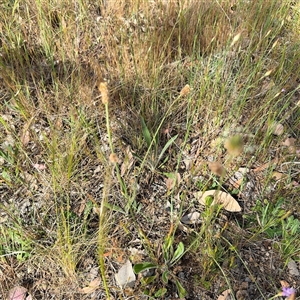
{"points": [[114, 114]]}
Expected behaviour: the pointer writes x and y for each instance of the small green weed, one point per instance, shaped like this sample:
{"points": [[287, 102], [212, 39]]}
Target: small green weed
{"points": [[173, 77], [207, 241], [269, 217], [288, 243], [276, 223], [15, 243], [154, 161], [163, 271]]}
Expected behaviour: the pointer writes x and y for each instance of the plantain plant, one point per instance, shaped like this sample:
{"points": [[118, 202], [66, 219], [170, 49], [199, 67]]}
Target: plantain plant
{"points": [[163, 271]]}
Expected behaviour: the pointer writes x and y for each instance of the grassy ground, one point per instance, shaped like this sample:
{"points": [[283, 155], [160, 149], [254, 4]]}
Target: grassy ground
{"points": [[115, 115]]}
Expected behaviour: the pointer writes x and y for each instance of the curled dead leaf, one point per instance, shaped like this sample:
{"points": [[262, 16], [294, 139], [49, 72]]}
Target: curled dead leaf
{"points": [[225, 199]]}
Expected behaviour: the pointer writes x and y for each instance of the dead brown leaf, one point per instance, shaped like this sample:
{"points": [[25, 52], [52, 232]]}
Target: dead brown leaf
{"points": [[266, 165], [289, 142], [40, 167], [228, 202], [284, 284], [18, 293], [172, 181], [94, 284], [225, 295], [128, 161], [25, 138], [277, 175]]}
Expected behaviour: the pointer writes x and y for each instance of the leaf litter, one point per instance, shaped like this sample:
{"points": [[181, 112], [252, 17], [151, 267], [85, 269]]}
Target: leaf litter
{"points": [[93, 285], [220, 198], [19, 293], [125, 276], [190, 218]]}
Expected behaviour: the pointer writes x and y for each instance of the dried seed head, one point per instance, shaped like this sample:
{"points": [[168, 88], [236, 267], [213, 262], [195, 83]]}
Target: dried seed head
{"points": [[235, 39], [234, 145], [113, 158], [104, 92], [268, 73], [277, 129], [217, 168], [185, 91]]}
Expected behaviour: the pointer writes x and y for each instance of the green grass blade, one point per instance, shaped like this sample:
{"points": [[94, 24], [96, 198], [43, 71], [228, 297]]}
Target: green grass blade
{"points": [[167, 145], [146, 133]]}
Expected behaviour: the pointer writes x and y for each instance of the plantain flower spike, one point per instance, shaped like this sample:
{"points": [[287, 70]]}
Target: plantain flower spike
{"points": [[104, 92]]}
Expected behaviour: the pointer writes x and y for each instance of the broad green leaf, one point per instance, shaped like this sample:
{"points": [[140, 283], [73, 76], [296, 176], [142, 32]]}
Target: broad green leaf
{"points": [[148, 280], [160, 292], [147, 292], [146, 133], [6, 176], [165, 276], [178, 253], [181, 291], [138, 268], [168, 242], [165, 254], [167, 247]]}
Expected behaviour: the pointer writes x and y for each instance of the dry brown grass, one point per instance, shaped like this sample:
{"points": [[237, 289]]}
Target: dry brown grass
{"points": [[56, 57]]}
